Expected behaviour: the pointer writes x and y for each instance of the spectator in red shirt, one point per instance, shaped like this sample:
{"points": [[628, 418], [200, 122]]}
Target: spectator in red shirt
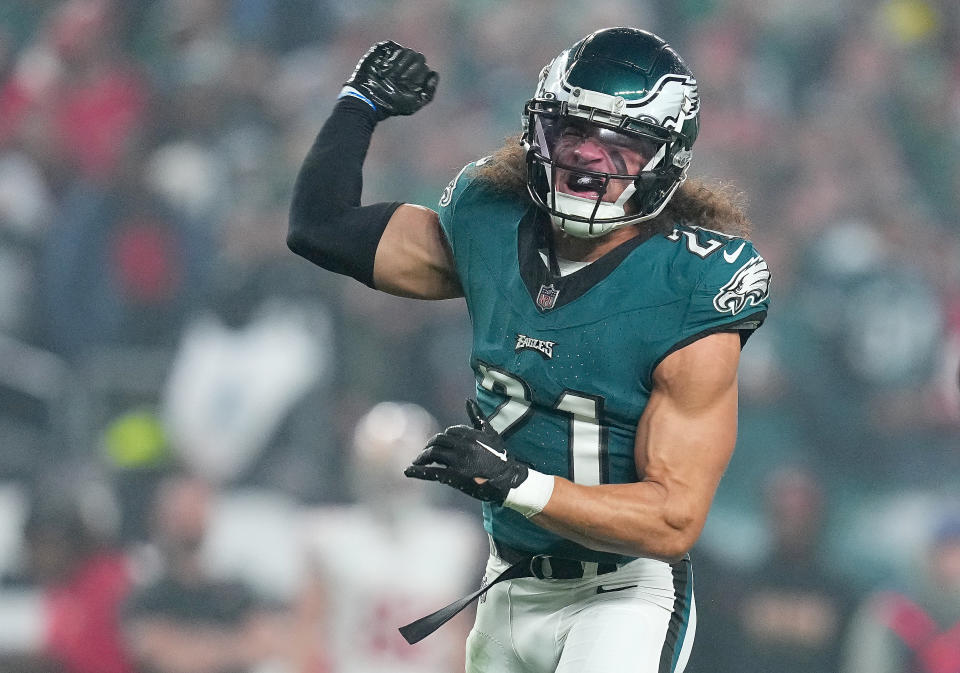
{"points": [[83, 582], [73, 97]]}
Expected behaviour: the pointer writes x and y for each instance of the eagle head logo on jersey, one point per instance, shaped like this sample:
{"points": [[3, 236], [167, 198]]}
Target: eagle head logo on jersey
{"points": [[749, 285]]}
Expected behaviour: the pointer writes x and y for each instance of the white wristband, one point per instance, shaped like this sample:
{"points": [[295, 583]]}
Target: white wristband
{"points": [[531, 496]]}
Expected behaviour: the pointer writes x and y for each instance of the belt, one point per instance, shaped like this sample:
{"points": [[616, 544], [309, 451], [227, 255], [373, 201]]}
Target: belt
{"points": [[546, 567], [522, 564]]}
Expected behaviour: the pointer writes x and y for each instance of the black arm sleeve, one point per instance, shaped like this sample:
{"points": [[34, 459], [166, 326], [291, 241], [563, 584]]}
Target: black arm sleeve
{"points": [[328, 226]]}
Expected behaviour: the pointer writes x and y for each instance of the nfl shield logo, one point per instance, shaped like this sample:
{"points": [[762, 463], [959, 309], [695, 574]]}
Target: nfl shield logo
{"points": [[547, 298]]}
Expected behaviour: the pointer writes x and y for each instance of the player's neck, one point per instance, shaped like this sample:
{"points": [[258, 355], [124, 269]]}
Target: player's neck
{"points": [[591, 249]]}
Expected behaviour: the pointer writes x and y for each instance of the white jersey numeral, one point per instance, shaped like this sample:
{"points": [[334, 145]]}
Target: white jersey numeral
{"points": [[585, 438], [586, 434], [694, 246], [516, 408]]}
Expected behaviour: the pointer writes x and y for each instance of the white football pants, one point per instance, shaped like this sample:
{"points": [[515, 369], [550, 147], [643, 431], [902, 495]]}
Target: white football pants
{"points": [[639, 619]]}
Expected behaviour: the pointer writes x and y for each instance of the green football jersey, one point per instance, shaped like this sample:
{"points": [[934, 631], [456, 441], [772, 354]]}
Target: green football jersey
{"points": [[564, 365]]}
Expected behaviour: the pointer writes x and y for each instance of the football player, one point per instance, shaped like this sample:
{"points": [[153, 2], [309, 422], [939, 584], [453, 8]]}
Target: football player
{"points": [[387, 557], [609, 302]]}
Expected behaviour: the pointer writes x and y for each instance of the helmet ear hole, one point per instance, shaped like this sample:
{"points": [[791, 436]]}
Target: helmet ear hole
{"points": [[646, 181], [652, 192]]}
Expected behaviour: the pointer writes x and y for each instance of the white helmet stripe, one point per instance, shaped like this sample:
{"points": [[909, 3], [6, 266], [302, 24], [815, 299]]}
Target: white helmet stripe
{"points": [[656, 158], [627, 193], [544, 150]]}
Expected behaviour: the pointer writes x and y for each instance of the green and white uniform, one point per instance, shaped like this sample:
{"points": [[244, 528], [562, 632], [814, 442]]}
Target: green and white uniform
{"points": [[566, 385], [564, 365]]}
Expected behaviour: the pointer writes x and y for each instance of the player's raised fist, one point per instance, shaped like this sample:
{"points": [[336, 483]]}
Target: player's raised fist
{"points": [[392, 79]]}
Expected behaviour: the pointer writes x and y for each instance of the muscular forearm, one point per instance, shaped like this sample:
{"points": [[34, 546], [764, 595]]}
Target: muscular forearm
{"points": [[660, 517], [327, 225], [630, 519]]}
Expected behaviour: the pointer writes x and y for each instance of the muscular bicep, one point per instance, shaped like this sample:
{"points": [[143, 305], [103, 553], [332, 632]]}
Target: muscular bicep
{"points": [[413, 258], [687, 433]]}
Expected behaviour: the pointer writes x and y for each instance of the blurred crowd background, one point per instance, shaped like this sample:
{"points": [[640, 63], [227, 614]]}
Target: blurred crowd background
{"points": [[193, 472]]}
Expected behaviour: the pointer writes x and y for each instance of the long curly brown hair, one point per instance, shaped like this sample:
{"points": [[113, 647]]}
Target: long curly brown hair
{"points": [[707, 204]]}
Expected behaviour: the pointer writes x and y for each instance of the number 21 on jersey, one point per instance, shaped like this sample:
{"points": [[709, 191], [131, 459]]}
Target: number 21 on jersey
{"points": [[586, 455]]}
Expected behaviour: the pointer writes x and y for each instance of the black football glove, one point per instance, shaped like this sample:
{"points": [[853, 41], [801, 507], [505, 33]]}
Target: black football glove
{"points": [[460, 453], [394, 80]]}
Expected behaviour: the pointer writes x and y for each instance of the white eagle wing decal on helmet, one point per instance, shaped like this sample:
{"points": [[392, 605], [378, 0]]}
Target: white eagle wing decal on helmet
{"points": [[750, 285], [671, 100]]}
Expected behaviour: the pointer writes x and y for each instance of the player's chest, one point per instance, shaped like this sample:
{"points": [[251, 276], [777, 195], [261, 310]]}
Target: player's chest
{"points": [[599, 331], [602, 336]]}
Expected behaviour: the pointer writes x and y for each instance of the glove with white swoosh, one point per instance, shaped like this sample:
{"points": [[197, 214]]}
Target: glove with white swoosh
{"points": [[462, 455]]}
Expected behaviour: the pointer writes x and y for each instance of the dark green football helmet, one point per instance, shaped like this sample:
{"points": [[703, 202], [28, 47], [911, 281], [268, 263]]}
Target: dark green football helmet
{"points": [[614, 116]]}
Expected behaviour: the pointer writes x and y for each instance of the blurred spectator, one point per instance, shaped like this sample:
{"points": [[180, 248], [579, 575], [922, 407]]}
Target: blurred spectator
{"points": [[247, 400], [185, 621], [876, 353], [115, 270], [916, 629], [136, 452], [74, 99], [84, 582], [718, 588], [388, 559], [25, 209], [794, 610]]}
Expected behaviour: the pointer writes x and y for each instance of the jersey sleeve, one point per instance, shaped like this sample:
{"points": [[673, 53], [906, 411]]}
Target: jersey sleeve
{"points": [[732, 294], [452, 194]]}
